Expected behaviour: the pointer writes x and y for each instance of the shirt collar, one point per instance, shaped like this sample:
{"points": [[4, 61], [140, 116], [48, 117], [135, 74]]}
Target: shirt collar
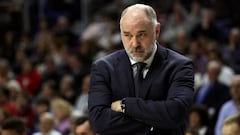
{"points": [[149, 60]]}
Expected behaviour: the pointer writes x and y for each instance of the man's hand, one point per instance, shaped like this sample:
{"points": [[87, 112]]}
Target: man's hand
{"points": [[116, 106]]}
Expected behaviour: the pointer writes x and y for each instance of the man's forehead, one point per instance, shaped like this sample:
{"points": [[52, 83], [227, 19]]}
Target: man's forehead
{"points": [[136, 27]]}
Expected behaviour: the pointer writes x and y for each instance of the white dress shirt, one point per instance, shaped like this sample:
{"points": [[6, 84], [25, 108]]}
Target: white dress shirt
{"points": [[147, 61]]}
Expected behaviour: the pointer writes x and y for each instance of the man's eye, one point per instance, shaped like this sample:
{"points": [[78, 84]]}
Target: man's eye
{"points": [[141, 35], [127, 35]]}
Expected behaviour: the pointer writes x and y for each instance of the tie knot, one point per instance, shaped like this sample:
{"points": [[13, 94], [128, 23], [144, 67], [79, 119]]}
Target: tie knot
{"points": [[140, 66]]}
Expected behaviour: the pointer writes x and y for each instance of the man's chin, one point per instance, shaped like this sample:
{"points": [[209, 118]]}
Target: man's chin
{"points": [[138, 59]]}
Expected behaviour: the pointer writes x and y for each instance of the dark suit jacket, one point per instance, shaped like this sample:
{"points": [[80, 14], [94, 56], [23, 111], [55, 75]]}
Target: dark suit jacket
{"points": [[166, 95], [215, 98]]}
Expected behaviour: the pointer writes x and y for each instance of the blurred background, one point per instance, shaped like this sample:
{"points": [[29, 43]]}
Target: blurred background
{"points": [[47, 47]]}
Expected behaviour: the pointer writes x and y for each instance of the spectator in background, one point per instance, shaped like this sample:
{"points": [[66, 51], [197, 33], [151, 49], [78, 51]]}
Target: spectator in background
{"points": [[190, 132], [42, 105], [206, 28], [14, 88], [213, 94], [195, 52], [25, 110], [48, 90], [44, 34], [8, 46], [42, 42], [231, 125], [62, 29], [47, 125], [81, 105], [5, 102], [66, 89], [58, 51], [88, 50], [82, 127], [25, 44], [55, 9], [78, 69], [181, 44], [195, 16], [226, 73], [103, 30], [51, 71], [13, 126], [231, 50], [16, 13], [5, 72], [29, 78], [175, 23], [20, 58], [199, 120], [3, 116], [62, 111], [230, 107]]}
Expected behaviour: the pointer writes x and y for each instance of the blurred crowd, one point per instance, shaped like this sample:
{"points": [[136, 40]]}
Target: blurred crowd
{"points": [[47, 47]]}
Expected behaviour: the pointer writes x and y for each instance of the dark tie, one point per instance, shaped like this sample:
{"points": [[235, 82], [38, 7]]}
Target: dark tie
{"points": [[139, 77]]}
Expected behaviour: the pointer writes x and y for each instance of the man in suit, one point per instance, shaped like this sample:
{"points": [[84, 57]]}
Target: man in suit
{"points": [[213, 94], [128, 97]]}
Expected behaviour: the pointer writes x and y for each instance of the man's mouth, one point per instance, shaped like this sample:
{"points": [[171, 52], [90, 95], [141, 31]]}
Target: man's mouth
{"points": [[137, 53]]}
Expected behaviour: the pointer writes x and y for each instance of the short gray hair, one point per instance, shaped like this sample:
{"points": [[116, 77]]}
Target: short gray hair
{"points": [[151, 14]]}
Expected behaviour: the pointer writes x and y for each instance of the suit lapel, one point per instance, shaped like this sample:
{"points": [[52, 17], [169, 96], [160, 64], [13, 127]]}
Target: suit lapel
{"points": [[154, 71], [124, 69]]}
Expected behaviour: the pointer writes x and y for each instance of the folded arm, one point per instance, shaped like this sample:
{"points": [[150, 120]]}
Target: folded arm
{"points": [[103, 119]]}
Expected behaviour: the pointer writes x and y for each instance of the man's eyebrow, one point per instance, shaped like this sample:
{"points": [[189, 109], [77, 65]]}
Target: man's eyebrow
{"points": [[141, 31], [125, 32]]}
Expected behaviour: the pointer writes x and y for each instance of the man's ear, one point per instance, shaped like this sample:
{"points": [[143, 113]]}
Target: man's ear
{"points": [[158, 28]]}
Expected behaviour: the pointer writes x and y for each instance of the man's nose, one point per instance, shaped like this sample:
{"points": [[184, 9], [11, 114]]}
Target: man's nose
{"points": [[135, 42]]}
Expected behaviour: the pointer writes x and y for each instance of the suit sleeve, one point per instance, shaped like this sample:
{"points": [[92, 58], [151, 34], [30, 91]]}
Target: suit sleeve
{"points": [[171, 112], [102, 118]]}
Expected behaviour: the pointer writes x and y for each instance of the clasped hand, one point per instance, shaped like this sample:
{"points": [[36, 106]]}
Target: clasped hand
{"points": [[116, 106]]}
